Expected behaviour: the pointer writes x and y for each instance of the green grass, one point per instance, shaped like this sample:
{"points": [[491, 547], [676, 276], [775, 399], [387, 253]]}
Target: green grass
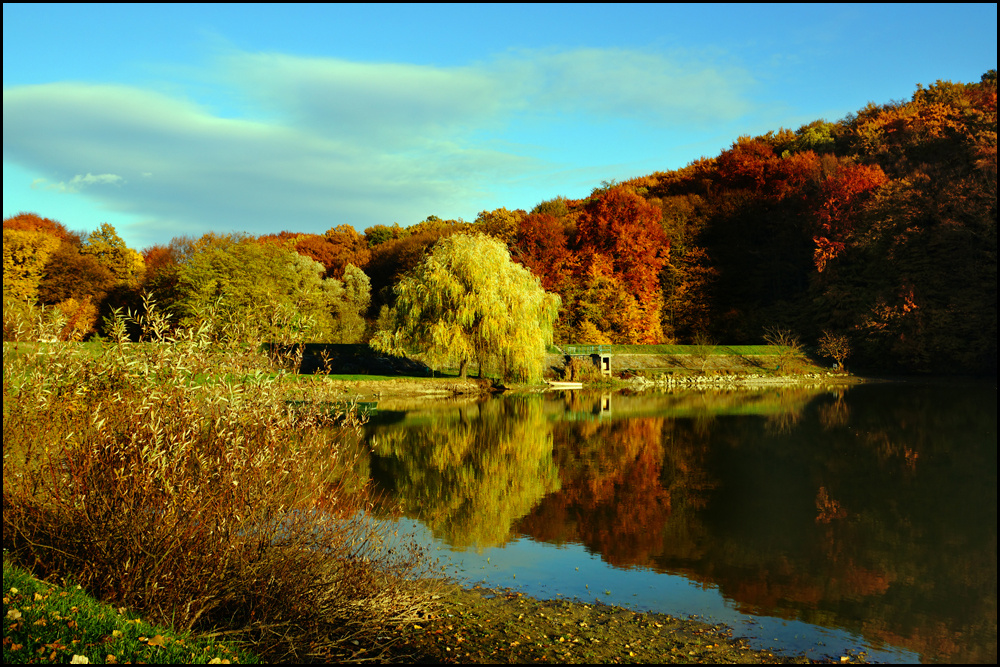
{"points": [[712, 350], [48, 624], [319, 377]]}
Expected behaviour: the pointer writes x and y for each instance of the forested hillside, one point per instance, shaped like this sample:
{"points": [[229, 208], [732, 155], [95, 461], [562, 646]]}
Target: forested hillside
{"points": [[880, 227]]}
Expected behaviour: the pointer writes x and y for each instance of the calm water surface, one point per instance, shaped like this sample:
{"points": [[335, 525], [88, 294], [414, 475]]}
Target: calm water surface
{"points": [[820, 520]]}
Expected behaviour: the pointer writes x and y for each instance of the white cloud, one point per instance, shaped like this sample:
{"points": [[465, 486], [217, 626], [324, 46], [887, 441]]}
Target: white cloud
{"points": [[629, 84], [79, 182], [321, 142], [402, 105], [413, 102]]}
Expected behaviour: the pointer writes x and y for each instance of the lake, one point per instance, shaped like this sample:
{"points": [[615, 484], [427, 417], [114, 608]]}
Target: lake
{"points": [[818, 520]]}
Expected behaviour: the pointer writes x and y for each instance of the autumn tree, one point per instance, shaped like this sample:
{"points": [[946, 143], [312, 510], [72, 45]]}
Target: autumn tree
{"points": [[352, 306], [163, 264], [541, 245], [747, 163], [842, 193], [393, 258], [500, 223], [347, 247], [110, 250], [619, 234], [467, 301], [379, 234], [45, 262], [247, 292], [32, 222], [25, 254], [835, 346], [71, 274]]}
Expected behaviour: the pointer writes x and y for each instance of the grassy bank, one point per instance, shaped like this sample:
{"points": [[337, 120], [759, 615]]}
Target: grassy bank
{"points": [[45, 623]]}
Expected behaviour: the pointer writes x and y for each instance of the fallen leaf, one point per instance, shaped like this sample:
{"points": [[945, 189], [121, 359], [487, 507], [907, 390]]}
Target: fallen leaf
{"points": [[158, 640]]}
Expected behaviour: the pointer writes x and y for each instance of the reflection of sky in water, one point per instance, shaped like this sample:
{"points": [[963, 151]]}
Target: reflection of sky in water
{"points": [[549, 571]]}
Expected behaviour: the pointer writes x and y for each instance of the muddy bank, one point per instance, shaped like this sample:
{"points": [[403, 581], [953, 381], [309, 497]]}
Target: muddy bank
{"points": [[479, 625]]}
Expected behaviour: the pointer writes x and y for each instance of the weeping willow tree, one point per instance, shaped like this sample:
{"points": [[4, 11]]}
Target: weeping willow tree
{"points": [[468, 301]]}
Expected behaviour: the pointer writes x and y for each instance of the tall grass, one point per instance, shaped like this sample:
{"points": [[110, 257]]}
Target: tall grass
{"points": [[209, 504]]}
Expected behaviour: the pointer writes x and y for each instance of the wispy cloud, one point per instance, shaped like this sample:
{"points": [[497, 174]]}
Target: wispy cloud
{"points": [[322, 141], [78, 182], [618, 83]]}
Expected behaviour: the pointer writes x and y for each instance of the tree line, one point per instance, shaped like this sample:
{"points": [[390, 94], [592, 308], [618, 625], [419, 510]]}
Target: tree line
{"points": [[878, 229]]}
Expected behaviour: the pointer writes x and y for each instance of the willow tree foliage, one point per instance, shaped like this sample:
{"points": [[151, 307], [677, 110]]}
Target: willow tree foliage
{"points": [[470, 478], [468, 301]]}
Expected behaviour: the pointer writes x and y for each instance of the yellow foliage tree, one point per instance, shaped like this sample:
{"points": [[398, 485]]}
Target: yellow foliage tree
{"points": [[111, 252], [25, 254], [500, 223], [80, 316], [467, 300]]}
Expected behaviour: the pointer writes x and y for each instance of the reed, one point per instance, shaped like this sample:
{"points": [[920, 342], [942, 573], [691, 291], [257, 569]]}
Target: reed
{"points": [[157, 482]]}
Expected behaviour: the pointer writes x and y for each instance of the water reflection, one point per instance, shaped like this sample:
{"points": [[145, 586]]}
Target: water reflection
{"points": [[871, 509], [468, 472]]}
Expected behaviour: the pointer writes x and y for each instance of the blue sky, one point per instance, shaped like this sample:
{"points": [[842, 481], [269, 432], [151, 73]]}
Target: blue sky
{"points": [[169, 120]]}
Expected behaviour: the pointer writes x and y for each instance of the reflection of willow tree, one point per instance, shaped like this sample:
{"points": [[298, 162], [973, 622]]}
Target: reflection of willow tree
{"points": [[469, 479], [621, 480]]}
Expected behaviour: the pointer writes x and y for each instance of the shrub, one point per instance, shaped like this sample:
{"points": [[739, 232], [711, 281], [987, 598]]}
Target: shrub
{"points": [[583, 369], [203, 500], [788, 344]]}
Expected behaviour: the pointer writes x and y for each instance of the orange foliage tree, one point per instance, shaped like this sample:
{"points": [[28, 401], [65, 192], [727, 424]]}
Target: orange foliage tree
{"points": [[620, 237]]}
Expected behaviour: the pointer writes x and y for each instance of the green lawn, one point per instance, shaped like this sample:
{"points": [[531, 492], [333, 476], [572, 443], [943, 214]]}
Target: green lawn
{"points": [[739, 350]]}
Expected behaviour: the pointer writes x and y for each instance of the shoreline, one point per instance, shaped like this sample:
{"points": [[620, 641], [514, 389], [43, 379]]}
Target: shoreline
{"points": [[472, 388], [476, 625]]}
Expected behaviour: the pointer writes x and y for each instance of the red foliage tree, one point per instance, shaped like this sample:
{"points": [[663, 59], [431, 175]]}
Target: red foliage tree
{"points": [[747, 163], [541, 246], [625, 228], [32, 222], [842, 194]]}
